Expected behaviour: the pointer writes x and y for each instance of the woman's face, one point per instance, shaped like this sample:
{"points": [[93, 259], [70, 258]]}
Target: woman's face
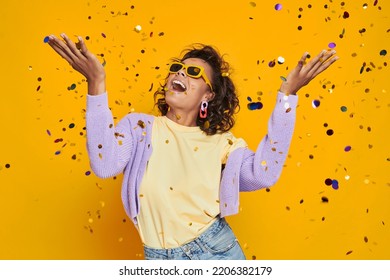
{"points": [[187, 93]]}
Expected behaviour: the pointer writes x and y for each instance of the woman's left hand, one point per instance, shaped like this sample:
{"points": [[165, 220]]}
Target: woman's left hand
{"points": [[302, 74]]}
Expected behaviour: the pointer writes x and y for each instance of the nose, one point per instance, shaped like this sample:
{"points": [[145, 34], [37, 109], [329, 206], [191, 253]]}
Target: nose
{"points": [[181, 72]]}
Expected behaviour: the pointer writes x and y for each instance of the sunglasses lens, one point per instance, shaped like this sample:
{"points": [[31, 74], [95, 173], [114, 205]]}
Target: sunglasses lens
{"points": [[175, 67], [193, 71]]}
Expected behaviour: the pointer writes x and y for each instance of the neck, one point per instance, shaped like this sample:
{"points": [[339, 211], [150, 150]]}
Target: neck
{"points": [[182, 118]]}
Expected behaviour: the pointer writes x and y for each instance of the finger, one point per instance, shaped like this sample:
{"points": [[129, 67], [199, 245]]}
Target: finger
{"points": [[302, 61], [57, 46], [319, 60], [71, 46], [325, 65], [83, 48]]}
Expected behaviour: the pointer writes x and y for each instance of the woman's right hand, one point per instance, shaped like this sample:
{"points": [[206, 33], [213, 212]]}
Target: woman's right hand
{"points": [[82, 60]]}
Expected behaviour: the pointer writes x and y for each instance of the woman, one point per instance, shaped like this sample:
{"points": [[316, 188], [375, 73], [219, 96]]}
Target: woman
{"points": [[183, 170]]}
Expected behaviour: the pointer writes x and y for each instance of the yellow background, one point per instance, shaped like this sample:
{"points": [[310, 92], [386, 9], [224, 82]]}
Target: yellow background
{"points": [[50, 208]]}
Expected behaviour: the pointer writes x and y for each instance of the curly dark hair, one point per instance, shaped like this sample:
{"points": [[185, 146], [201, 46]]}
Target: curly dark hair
{"points": [[221, 109]]}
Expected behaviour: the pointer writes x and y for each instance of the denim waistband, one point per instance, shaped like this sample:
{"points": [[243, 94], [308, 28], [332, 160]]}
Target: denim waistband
{"points": [[208, 234]]}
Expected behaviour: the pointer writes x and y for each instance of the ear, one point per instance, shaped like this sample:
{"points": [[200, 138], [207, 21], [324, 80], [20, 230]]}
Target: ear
{"points": [[210, 95]]}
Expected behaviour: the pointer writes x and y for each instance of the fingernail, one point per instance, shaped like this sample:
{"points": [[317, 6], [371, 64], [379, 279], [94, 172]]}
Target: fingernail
{"points": [[63, 35], [80, 38]]}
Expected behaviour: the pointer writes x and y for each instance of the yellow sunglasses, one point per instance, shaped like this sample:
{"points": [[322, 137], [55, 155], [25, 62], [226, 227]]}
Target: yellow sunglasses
{"points": [[192, 71]]}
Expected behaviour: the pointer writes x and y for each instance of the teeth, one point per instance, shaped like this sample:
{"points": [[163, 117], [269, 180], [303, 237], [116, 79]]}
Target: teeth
{"points": [[177, 82]]}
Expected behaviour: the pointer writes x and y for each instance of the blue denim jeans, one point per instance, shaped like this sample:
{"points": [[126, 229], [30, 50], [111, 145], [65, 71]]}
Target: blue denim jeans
{"points": [[218, 242]]}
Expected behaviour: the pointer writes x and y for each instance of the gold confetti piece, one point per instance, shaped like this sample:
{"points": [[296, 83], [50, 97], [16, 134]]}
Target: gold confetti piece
{"points": [[167, 141], [120, 142], [288, 110], [178, 117], [190, 224], [141, 195], [230, 142], [138, 28], [196, 149], [90, 220], [206, 124], [365, 239], [100, 156], [171, 188], [141, 124], [263, 163], [349, 252]]}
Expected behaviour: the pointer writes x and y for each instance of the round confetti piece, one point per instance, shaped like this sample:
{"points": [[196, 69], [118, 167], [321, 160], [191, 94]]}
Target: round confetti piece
{"points": [[345, 15], [383, 52], [329, 132], [347, 148], [365, 6], [328, 182], [87, 173], [283, 79], [7, 165], [343, 109], [255, 106], [72, 125], [253, 4], [46, 39], [138, 28], [72, 87], [347, 177], [281, 60], [316, 103], [249, 99], [278, 7], [332, 45], [335, 184], [271, 63], [57, 153]]}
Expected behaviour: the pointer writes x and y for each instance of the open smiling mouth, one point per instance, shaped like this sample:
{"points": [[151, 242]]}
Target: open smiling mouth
{"points": [[178, 86]]}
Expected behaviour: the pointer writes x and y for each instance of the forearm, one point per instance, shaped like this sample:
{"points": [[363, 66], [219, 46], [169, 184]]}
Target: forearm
{"points": [[108, 146], [263, 168]]}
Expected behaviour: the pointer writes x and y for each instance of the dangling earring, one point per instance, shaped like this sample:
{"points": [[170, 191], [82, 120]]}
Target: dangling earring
{"points": [[203, 109]]}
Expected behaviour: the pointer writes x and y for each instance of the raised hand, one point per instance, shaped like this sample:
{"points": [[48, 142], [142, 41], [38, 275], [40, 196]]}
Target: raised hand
{"points": [[302, 74], [82, 60]]}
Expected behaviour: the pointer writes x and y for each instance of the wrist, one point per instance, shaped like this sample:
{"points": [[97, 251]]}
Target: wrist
{"points": [[96, 86]]}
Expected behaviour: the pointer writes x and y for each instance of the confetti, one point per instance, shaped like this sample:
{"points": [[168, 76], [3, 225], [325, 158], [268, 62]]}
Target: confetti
{"points": [[46, 39], [253, 4], [383, 52], [72, 87], [343, 109], [7, 165], [329, 132], [347, 148], [324, 199], [316, 103], [345, 15], [255, 106], [137, 28], [281, 60], [332, 45], [87, 173], [278, 7], [335, 184]]}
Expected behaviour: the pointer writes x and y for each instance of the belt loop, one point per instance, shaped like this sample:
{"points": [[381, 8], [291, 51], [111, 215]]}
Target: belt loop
{"points": [[200, 244]]}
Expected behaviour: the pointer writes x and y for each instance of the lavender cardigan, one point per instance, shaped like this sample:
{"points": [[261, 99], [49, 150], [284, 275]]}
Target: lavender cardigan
{"points": [[127, 147]]}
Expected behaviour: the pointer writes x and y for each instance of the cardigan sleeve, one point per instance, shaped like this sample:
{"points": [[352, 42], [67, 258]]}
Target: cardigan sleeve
{"points": [[109, 146], [263, 168]]}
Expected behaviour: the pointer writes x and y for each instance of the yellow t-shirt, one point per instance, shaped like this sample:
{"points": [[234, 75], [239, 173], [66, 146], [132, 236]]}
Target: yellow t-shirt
{"points": [[179, 193]]}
